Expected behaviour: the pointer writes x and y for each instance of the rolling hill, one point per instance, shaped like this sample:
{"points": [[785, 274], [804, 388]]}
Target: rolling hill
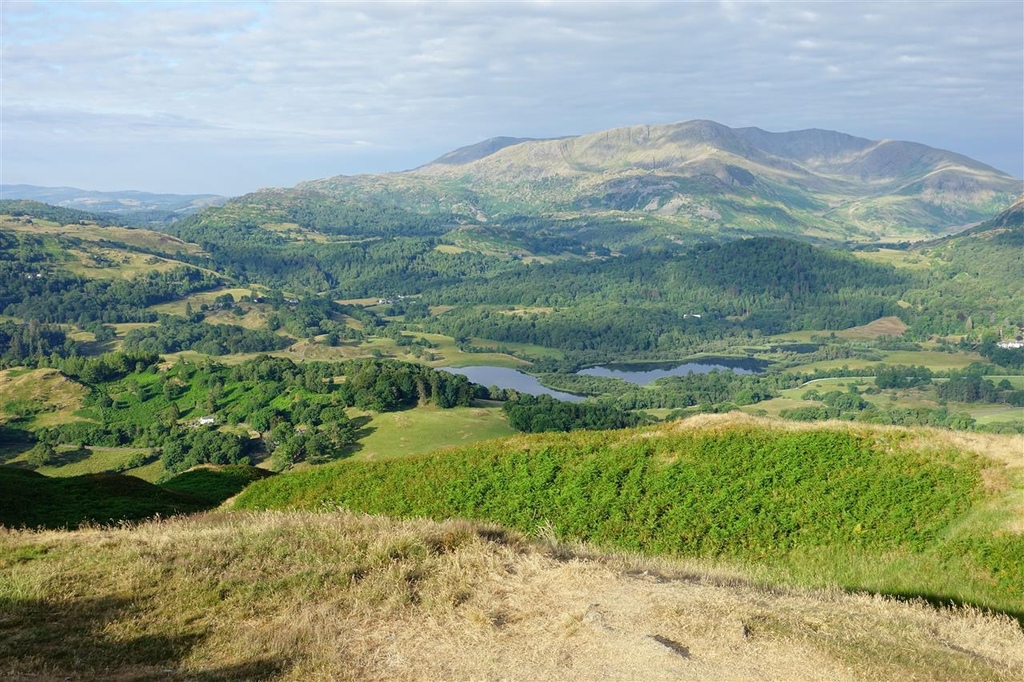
{"points": [[127, 205]]}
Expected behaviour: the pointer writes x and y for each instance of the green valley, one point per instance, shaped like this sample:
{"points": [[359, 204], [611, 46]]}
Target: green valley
{"points": [[787, 369]]}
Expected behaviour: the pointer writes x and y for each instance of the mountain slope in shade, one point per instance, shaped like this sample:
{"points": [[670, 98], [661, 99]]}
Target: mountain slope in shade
{"points": [[706, 176]]}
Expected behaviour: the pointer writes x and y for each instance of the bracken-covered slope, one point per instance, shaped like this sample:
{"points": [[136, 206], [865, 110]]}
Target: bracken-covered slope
{"points": [[705, 176]]}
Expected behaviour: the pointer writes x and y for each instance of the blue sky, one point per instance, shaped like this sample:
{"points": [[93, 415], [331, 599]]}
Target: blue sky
{"points": [[228, 97]]}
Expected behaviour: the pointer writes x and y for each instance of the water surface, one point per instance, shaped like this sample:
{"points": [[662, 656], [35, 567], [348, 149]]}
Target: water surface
{"points": [[504, 377], [643, 373]]}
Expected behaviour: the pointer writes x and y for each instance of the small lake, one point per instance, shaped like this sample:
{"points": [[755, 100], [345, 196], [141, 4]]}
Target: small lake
{"points": [[504, 377], [643, 373]]}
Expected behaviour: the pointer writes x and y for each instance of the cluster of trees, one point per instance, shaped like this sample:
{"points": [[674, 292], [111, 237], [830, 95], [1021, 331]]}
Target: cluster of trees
{"points": [[176, 334], [850, 405], [1010, 358], [51, 295], [298, 411], [712, 388], [107, 367], [899, 376], [204, 445], [535, 414], [967, 387], [31, 342]]}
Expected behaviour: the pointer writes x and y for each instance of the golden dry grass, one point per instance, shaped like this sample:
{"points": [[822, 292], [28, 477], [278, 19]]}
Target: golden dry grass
{"points": [[344, 597], [883, 326], [46, 390]]}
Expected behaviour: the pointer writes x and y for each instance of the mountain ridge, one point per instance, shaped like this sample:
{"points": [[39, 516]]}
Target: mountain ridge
{"points": [[702, 174]]}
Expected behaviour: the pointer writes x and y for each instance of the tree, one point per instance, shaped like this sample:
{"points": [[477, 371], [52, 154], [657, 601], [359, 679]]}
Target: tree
{"points": [[42, 454]]}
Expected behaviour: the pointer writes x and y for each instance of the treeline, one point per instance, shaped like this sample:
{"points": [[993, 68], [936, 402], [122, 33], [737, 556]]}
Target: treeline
{"points": [[971, 388], [1010, 358], [711, 388], [50, 295], [175, 334], [25, 208], [536, 414], [32, 342]]}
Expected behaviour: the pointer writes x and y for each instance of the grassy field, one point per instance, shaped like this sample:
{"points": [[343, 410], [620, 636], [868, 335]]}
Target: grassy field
{"points": [[934, 360], [897, 258], [199, 298], [139, 238], [424, 429], [873, 508], [99, 460], [885, 326], [454, 357], [100, 263], [300, 596], [41, 397]]}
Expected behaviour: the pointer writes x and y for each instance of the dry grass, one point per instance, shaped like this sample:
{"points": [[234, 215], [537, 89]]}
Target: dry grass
{"points": [[339, 596], [42, 391], [884, 326]]}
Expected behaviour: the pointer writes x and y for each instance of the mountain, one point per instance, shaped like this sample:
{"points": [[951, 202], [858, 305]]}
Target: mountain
{"points": [[702, 177], [478, 151], [1011, 220], [128, 201]]}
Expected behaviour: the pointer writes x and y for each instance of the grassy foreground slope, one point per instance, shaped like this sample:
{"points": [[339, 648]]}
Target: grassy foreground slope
{"points": [[897, 511], [300, 596]]}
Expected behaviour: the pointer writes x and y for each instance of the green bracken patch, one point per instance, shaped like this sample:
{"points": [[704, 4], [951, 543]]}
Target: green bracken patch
{"points": [[780, 498]]}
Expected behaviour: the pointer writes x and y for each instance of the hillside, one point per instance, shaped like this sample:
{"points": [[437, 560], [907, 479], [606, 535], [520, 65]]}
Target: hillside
{"points": [[897, 511], [702, 177], [300, 596]]}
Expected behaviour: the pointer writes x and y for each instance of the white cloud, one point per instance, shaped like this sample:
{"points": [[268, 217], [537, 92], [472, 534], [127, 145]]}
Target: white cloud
{"points": [[426, 77]]}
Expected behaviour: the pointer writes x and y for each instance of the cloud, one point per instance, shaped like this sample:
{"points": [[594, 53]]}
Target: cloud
{"points": [[427, 77]]}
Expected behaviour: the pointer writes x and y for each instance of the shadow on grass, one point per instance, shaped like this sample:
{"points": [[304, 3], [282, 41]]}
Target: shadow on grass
{"points": [[362, 430], [941, 601], [215, 484], [73, 640], [14, 440], [71, 456]]}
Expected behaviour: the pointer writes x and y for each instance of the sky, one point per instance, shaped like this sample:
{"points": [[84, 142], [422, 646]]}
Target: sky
{"points": [[229, 97]]}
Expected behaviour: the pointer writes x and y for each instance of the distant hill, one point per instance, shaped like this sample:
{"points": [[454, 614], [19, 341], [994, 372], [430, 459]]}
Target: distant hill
{"points": [[699, 177], [128, 201]]}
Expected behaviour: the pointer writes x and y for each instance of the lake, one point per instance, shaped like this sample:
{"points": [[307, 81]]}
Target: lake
{"points": [[643, 373], [504, 377]]}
